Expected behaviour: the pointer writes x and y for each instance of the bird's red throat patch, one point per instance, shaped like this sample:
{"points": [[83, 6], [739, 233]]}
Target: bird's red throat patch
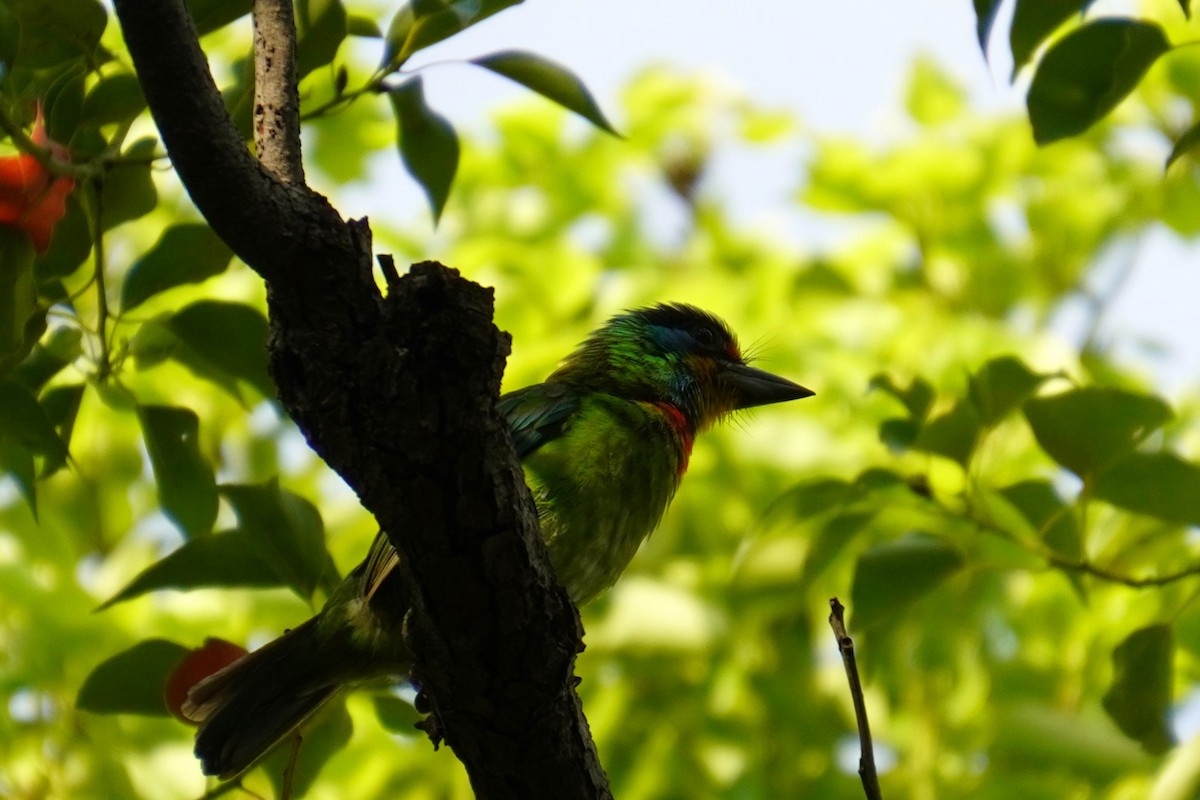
{"points": [[682, 429]]}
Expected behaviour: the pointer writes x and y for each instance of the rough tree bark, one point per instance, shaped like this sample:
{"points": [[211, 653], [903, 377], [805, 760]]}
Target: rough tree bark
{"points": [[397, 393]]}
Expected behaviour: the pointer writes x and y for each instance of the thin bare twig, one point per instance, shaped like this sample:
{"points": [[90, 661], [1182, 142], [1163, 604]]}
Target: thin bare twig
{"points": [[866, 759]]}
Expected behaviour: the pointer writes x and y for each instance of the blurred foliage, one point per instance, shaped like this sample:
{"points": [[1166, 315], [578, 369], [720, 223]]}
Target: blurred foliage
{"points": [[1009, 513]]}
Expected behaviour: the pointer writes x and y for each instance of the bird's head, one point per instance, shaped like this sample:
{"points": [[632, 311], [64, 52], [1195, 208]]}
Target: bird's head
{"points": [[679, 355]]}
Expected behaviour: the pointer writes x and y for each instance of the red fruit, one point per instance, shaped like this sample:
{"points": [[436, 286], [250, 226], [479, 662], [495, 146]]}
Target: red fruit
{"points": [[215, 654], [30, 197]]}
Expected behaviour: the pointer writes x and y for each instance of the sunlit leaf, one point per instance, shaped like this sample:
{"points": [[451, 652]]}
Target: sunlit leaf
{"points": [[1088, 429], [1139, 699], [131, 682], [891, 576], [186, 253], [187, 490], [1185, 143], [1160, 484], [428, 143], [231, 558], [550, 80], [1088, 72], [421, 23]]}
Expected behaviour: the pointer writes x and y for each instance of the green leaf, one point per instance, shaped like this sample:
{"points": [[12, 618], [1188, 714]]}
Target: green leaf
{"points": [[227, 339], [396, 715], [831, 540], [421, 23], [1048, 514], [811, 497], [187, 490], [1033, 21], [287, 533], [321, 28], [1000, 386], [209, 15], [324, 736], [1088, 72], [128, 191], [550, 80], [20, 311], [223, 559], [933, 97], [953, 434], [61, 405], [917, 398], [366, 27], [23, 420], [898, 435], [63, 104], [1087, 429], [1162, 485], [891, 576], [53, 33], [16, 461], [985, 16], [1184, 144], [49, 358], [117, 98], [185, 253], [428, 143], [1140, 696], [10, 37], [131, 682], [69, 247]]}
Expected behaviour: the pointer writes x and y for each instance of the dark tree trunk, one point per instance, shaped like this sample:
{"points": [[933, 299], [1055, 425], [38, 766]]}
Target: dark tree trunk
{"points": [[397, 393]]}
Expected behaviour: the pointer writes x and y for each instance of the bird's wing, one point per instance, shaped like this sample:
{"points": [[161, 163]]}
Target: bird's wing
{"points": [[538, 414]]}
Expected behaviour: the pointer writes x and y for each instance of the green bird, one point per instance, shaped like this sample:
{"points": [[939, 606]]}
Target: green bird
{"points": [[605, 441]]}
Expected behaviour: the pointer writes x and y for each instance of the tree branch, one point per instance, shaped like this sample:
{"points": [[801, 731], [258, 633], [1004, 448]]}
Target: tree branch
{"points": [[276, 104], [866, 760], [397, 394]]}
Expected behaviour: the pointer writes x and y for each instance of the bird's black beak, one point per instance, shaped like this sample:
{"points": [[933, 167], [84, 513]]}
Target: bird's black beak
{"points": [[756, 387]]}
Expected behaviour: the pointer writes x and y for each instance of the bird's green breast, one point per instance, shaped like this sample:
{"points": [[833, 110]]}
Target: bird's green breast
{"points": [[602, 486]]}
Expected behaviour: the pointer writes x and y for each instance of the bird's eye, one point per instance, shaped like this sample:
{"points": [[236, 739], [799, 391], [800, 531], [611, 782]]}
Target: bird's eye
{"points": [[704, 337]]}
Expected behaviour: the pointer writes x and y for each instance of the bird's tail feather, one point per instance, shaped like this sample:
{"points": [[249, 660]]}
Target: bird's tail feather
{"points": [[249, 706]]}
